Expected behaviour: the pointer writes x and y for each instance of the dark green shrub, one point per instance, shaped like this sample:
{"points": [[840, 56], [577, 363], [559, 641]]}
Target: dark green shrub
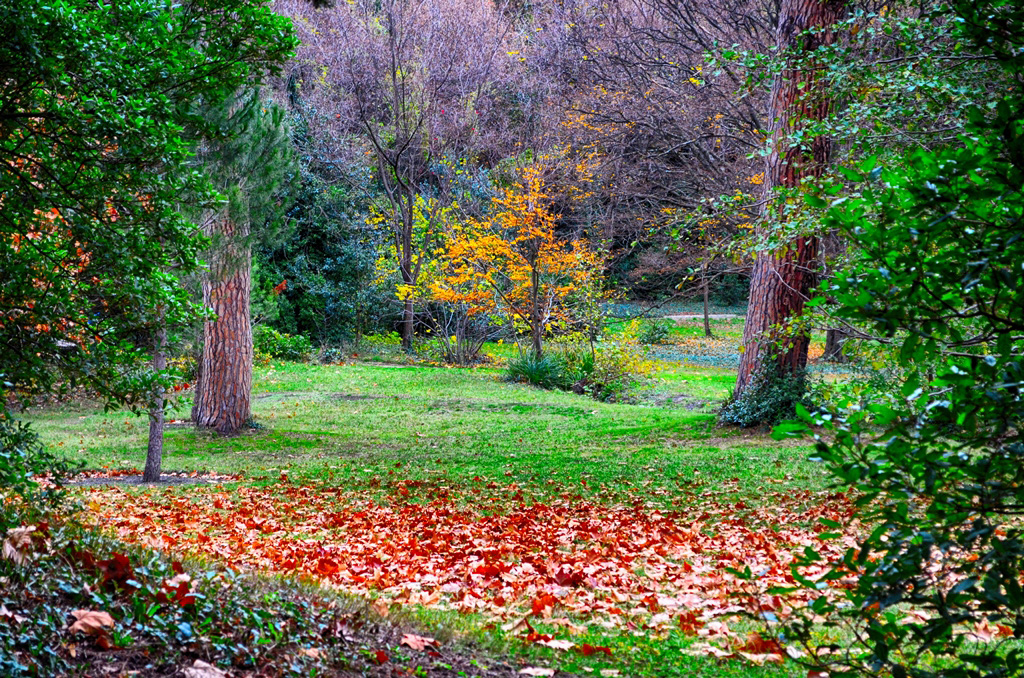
{"points": [[268, 341], [731, 290], [773, 396], [31, 478], [654, 332], [547, 372]]}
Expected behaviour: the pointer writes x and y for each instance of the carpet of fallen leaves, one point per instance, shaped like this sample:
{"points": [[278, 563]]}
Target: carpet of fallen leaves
{"points": [[566, 562]]}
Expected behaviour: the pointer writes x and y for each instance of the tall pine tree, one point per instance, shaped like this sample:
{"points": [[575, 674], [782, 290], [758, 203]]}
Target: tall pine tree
{"points": [[249, 163]]}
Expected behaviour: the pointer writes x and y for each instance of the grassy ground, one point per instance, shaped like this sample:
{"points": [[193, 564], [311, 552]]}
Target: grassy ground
{"points": [[371, 429]]}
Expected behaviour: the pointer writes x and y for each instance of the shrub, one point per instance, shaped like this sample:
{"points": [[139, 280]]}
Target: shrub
{"points": [[773, 396], [654, 332], [31, 478], [547, 372], [269, 342]]}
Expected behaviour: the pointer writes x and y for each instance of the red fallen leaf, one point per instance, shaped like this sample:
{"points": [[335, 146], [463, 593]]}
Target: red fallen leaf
{"points": [[327, 567], [117, 572], [419, 643], [177, 567], [545, 601], [380, 656], [757, 644], [587, 650], [689, 623], [488, 570], [567, 577]]}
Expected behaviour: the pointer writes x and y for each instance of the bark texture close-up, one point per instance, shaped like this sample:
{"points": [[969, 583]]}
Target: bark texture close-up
{"points": [[222, 399]]}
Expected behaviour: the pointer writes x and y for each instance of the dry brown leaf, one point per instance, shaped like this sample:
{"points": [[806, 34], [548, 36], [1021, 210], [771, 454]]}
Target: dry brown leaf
{"points": [[18, 544], [201, 669], [91, 622], [417, 642]]}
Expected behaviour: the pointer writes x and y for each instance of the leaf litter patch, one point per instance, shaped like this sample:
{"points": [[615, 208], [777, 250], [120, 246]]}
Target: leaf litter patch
{"points": [[566, 565]]}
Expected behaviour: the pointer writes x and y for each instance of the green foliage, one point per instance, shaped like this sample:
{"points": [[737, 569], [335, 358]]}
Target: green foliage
{"points": [[31, 478], [731, 290], [93, 169], [938, 255], [327, 261], [548, 372], [269, 342], [225, 618], [608, 371], [772, 396], [654, 331]]}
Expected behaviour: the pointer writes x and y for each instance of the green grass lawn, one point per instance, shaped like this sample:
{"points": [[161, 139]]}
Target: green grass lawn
{"points": [[356, 422], [372, 428]]}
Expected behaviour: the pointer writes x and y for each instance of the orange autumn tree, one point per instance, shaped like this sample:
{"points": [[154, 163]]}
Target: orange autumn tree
{"points": [[515, 264]]}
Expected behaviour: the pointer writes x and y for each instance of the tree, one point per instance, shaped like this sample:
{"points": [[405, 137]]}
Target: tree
{"points": [[937, 467], [93, 167], [514, 264], [249, 162], [783, 278], [411, 81]]}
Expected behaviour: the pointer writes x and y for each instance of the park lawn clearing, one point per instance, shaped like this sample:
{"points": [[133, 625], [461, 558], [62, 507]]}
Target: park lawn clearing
{"points": [[465, 498]]}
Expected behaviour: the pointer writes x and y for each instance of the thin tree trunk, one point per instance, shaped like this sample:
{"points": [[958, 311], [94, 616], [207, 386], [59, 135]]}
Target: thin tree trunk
{"points": [[225, 374], [834, 340], [155, 450], [707, 317], [782, 280], [537, 324]]}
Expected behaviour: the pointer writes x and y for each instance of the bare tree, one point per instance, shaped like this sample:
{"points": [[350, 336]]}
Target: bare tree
{"points": [[411, 81]]}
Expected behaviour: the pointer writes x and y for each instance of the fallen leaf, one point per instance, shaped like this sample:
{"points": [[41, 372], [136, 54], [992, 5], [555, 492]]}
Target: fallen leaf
{"points": [[557, 644], [18, 544], [91, 622], [201, 669], [418, 642], [536, 671]]}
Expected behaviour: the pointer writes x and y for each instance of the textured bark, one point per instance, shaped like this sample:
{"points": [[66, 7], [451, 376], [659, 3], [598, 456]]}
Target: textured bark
{"points": [[225, 370], [782, 280], [155, 450]]}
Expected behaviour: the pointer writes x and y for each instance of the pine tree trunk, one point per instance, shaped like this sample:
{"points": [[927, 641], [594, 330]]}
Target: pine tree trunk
{"points": [[782, 280], [155, 450], [225, 371]]}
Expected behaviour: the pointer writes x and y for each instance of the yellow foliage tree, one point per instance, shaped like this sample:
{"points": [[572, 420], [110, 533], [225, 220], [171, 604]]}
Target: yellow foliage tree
{"points": [[514, 263]]}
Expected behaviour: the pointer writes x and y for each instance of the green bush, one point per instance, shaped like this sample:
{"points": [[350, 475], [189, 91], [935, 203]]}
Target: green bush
{"points": [[547, 372], [269, 342], [31, 478], [771, 397], [654, 332]]}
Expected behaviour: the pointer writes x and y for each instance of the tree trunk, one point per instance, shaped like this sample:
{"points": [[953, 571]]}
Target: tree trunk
{"points": [[408, 310], [536, 323], [225, 371], [834, 340], [155, 451], [707, 317], [783, 280]]}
